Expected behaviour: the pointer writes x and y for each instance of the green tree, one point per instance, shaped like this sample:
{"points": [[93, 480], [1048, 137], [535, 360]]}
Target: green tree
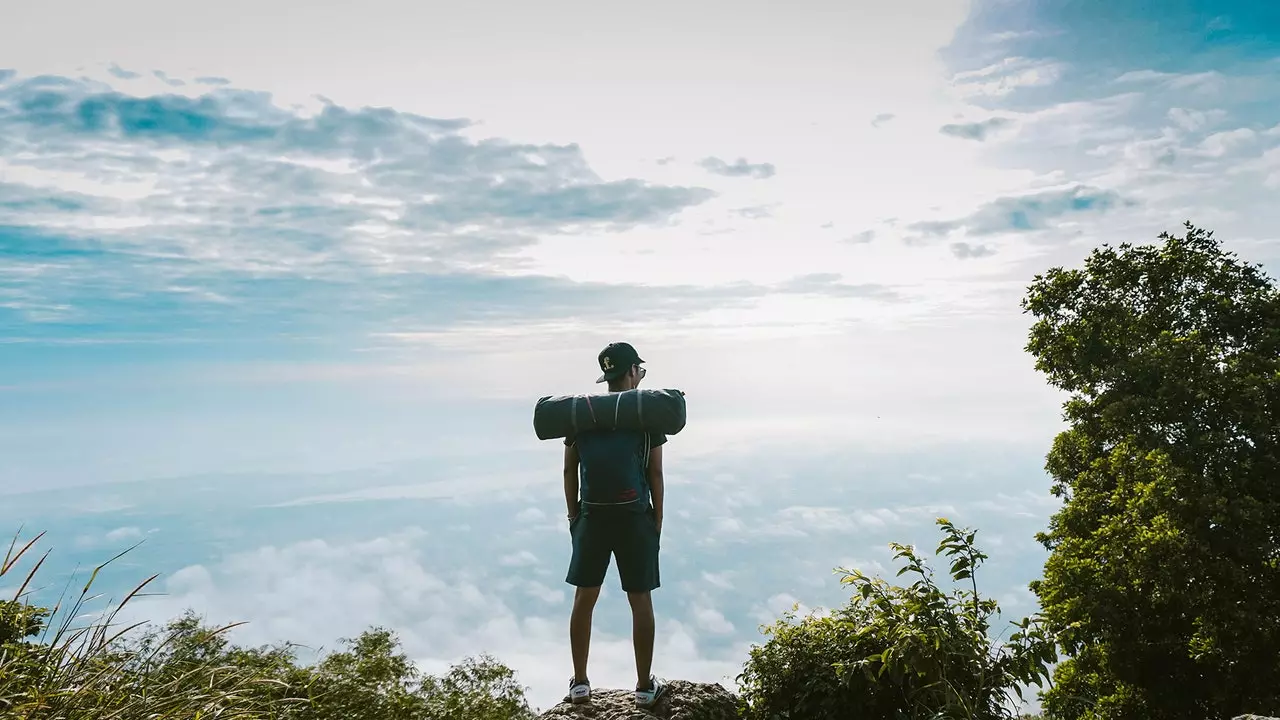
{"points": [[1163, 580], [911, 652], [374, 680]]}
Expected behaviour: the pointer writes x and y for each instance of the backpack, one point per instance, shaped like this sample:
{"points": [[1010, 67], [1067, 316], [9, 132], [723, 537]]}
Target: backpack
{"points": [[613, 466]]}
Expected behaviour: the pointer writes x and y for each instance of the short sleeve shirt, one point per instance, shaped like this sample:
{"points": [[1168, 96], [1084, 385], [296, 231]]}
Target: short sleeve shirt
{"points": [[612, 466]]}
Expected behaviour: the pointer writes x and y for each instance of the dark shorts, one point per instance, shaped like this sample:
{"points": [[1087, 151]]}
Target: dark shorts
{"points": [[629, 536]]}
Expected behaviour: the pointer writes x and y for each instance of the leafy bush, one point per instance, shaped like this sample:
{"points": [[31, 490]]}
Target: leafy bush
{"points": [[191, 671], [898, 652]]}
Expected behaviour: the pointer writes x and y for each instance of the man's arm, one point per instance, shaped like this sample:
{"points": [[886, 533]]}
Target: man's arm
{"points": [[656, 487], [571, 479]]}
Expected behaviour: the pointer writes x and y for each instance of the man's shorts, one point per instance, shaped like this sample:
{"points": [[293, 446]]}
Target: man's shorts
{"points": [[629, 536]]}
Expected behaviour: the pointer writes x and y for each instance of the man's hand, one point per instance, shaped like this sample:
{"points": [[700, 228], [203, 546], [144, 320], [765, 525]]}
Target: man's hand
{"points": [[657, 521]]}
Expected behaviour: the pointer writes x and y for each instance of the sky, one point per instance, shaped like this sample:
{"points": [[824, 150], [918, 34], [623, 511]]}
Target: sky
{"points": [[279, 286]]}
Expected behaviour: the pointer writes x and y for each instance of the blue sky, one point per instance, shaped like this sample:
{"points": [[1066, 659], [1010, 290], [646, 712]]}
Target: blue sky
{"points": [[277, 297]]}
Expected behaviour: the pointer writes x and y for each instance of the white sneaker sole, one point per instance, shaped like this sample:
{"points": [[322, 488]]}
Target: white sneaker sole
{"points": [[647, 704]]}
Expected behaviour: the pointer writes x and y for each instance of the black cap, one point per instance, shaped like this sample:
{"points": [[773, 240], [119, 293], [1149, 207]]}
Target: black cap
{"points": [[616, 359]]}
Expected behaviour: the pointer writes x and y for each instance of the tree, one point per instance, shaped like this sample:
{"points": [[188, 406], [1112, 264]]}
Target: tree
{"points": [[1163, 579], [911, 652]]}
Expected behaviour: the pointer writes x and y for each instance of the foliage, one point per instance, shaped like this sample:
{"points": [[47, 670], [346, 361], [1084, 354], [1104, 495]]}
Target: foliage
{"points": [[898, 652], [1163, 581], [191, 671]]}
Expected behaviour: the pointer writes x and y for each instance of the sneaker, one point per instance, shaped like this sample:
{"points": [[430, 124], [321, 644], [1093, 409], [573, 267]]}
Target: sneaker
{"points": [[579, 692], [649, 698]]}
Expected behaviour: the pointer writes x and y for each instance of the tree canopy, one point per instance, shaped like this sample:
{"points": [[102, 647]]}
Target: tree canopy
{"points": [[1163, 580]]}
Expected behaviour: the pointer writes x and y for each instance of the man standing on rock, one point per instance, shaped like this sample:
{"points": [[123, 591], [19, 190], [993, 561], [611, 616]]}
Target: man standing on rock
{"points": [[613, 488]]}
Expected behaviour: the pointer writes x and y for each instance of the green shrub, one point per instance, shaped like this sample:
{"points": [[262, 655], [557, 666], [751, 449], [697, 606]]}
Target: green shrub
{"points": [[189, 671], [897, 652]]}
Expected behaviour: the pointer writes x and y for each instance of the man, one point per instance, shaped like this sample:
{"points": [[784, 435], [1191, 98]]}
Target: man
{"points": [[613, 489]]}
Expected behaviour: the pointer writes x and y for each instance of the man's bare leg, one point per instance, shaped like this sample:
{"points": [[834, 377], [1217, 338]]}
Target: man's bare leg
{"points": [[584, 603], [642, 635]]}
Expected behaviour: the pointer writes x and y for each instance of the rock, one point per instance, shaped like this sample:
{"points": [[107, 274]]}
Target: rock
{"points": [[682, 701], [1254, 717]]}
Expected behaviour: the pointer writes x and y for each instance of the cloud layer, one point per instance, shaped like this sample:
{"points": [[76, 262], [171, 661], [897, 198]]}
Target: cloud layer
{"points": [[142, 214]]}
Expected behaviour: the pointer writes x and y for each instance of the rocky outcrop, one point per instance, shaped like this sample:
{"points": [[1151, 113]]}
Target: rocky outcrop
{"points": [[682, 701]]}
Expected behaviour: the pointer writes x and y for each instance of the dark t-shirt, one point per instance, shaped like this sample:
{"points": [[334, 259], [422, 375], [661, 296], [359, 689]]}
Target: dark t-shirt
{"points": [[612, 467]]}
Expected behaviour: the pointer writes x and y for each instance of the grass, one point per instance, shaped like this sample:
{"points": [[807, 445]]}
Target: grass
{"points": [[63, 663]]}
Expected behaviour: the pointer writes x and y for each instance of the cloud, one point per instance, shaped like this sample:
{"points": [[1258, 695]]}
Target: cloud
{"points": [[120, 72], [369, 185], [181, 212], [711, 620], [1025, 504], [1209, 80], [1025, 213], [966, 251], [315, 592], [116, 539], [63, 280], [739, 168], [531, 515], [976, 131], [1007, 76], [831, 285], [1194, 120], [123, 533], [523, 558], [861, 238], [881, 119], [754, 212], [163, 77], [1228, 142]]}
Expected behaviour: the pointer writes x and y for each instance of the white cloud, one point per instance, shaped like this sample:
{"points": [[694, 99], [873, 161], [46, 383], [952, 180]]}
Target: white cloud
{"points": [[1223, 143], [316, 592], [120, 536], [523, 558], [1210, 80], [870, 567], [1194, 120], [810, 520], [720, 580], [1008, 75], [1025, 504], [711, 620], [531, 515], [773, 608], [124, 533]]}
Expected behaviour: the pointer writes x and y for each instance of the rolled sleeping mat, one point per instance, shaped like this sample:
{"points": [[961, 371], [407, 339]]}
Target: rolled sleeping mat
{"points": [[658, 411]]}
